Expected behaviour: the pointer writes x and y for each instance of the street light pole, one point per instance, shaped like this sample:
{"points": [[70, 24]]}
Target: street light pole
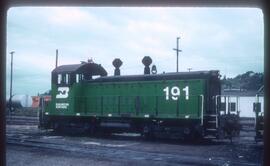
{"points": [[11, 73], [177, 50]]}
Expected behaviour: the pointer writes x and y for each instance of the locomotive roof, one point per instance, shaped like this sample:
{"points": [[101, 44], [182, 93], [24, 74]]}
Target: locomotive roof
{"points": [[91, 68], [165, 76]]}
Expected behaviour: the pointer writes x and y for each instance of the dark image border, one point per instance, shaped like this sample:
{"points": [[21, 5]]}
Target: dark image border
{"points": [[6, 4]]}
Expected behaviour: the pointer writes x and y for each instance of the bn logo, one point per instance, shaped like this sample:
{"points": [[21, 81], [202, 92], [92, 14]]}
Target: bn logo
{"points": [[62, 92]]}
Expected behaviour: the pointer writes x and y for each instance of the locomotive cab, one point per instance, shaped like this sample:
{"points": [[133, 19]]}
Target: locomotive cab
{"points": [[64, 77], [66, 85]]}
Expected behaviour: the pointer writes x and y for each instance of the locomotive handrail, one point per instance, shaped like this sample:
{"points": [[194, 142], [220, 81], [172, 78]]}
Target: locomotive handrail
{"points": [[216, 109], [202, 109]]}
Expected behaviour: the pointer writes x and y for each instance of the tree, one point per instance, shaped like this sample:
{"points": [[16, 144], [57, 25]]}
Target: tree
{"points": [[248, 80]]}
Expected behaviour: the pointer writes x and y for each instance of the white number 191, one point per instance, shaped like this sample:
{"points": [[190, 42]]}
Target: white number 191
{"points": [[175, 92]]}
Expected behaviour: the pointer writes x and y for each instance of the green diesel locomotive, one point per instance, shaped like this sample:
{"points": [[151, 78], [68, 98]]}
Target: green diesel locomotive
{"points": [[179, 104]]}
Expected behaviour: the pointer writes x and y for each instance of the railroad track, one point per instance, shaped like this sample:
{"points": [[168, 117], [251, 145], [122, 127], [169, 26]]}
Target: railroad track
{"points": [[248, 124], [34, 140], [21, 120], [120, 153]]}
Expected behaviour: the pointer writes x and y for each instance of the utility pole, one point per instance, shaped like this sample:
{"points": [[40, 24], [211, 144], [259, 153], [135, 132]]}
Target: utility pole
{"points": [[11, 73], [177, 50], [56, 58]]}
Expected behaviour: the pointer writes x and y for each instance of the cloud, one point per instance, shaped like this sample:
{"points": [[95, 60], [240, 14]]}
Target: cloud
{"points": [[226, 39], [73, 19], [68, 16]]}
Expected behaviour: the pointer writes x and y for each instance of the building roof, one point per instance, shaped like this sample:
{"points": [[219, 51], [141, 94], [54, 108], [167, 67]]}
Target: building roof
{"points": [[234, 92]]}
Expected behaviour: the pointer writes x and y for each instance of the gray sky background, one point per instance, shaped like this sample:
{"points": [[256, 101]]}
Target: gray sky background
{"points": [[225, 39]]}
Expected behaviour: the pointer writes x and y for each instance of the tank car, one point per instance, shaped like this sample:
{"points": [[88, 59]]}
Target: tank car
{"points": [[20, 101]]}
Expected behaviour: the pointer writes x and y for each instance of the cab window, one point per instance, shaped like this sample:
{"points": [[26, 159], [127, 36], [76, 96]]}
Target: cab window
{"points": [[59, 78], [67, 79], [63, 79], [79, 77]]}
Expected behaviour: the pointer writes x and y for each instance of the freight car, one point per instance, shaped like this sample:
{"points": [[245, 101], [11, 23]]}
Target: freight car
{"points": [[178, 104]]}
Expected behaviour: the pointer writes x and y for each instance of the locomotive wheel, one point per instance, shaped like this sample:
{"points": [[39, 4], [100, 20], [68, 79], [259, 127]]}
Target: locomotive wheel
{"points": [[57, 128], [106, 133], [90, 128], [149, 136], [148, 133]]}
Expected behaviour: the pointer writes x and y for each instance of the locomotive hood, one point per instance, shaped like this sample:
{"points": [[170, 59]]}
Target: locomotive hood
{"points": [[165, 76]]}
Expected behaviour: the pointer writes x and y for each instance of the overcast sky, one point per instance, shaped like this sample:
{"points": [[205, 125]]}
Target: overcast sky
{"points": [[225, 39]]}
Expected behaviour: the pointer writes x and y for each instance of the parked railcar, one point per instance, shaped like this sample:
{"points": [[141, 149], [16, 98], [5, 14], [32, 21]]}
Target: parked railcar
{"points": [[180, 104]]}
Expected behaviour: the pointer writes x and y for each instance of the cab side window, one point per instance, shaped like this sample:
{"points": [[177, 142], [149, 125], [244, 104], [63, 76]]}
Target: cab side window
{"points": [[67, 81], [63, 79], [79, 77], [59, 78]]}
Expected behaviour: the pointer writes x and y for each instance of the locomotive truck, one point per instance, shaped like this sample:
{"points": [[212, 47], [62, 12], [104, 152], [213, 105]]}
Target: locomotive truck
{"points": [[176, 104]]}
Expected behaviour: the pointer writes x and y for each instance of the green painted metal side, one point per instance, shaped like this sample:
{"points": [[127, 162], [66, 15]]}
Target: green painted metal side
{"points": [[131, 99], [70, 110], [141, 99]]}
